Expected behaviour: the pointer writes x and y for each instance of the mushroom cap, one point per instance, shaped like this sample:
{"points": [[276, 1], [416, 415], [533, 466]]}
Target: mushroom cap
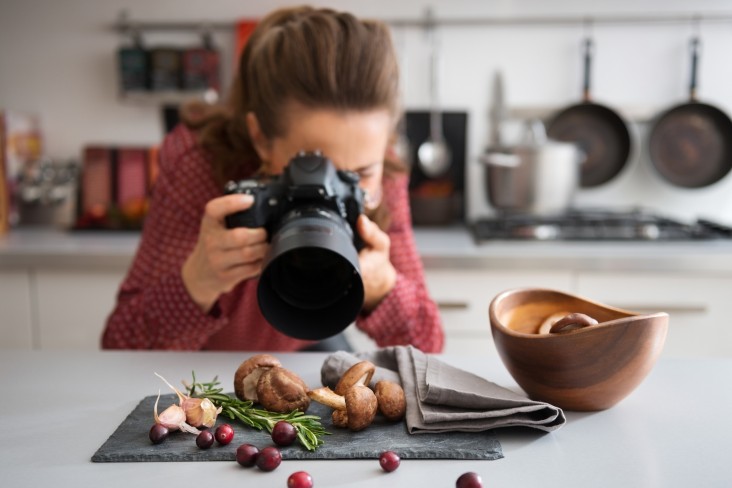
{"points": [[281, 390], [361, 407], [358, 374], [246, 388], [391, 400]]}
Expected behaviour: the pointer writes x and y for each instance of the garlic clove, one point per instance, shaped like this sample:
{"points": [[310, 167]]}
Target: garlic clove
{"points": [[171, 417], [210, 412], [200, 412], [174, 418]]}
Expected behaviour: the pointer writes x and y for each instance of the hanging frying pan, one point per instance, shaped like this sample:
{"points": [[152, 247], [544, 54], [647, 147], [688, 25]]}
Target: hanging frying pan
{"points": [[690, 145], [599, 131]]}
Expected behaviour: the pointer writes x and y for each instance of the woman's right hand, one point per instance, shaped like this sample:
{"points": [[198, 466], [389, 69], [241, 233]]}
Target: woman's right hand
{"points": [[223, 257]]}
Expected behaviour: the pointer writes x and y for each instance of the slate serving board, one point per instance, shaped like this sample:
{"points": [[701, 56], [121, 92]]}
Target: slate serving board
{"points": [[130, 442]]}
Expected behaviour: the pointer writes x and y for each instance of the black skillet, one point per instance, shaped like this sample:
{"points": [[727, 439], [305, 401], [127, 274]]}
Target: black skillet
{"points": [[690, 145], [599, 132]]}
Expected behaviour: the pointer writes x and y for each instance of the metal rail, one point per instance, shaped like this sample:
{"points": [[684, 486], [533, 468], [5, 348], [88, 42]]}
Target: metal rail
{"points": [[126, 24]]}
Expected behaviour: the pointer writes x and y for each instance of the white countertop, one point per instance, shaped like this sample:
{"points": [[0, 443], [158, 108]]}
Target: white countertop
{"points": [[440, 248], [59, 407]]}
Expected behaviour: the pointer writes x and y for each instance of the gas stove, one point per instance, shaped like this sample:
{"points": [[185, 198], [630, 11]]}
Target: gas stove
{"points": [[597, 225]]}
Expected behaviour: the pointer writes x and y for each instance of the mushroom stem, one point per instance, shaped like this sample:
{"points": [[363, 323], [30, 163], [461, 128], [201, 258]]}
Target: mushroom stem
{"points": [[328, 397]]}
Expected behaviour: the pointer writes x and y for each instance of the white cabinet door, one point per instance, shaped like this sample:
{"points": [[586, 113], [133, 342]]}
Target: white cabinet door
{"points": [[463, 297], [698, 306], [73, 306], [16, 329]]}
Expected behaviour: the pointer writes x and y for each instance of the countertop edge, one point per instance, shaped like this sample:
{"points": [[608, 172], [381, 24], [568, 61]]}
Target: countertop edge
{"points": [[440, 248]]}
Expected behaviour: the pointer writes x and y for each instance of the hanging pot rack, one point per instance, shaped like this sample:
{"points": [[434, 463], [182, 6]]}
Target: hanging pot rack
{"points": [[126, 24]]}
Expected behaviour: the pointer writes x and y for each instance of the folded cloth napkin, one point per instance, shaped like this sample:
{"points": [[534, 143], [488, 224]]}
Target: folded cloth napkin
{"points": [[442, 398]]}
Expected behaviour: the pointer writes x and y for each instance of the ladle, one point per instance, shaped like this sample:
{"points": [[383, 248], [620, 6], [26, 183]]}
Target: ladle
{"points": [[433, 154]]}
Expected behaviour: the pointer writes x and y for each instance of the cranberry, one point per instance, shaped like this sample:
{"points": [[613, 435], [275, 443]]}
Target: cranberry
{"points": [[205, 439], [300, 479], [284, 433], [389, 461], [269, 458], [224, 434], [469, 480], [246, 455], [158, 433]]}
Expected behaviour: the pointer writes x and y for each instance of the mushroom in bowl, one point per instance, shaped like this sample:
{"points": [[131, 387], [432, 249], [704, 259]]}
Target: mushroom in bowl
{"points": [[573, 352]]}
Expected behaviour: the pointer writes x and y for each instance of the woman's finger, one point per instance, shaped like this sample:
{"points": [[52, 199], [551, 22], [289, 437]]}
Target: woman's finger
{"points": [[240, 256], [372, 235], [232, 239], [218, 208]]}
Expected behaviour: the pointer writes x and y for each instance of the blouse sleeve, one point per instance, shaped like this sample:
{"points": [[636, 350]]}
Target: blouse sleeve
{"points": [[153, 308], [407, 315]]}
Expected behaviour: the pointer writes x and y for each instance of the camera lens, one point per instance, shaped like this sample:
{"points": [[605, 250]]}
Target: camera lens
{"points": [[311, 285], [294, 274]]}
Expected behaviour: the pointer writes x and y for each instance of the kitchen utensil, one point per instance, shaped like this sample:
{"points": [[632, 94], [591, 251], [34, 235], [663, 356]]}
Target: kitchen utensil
{"points": [[165, 68], [599, 131], [497, 114], [133, 64], [690, 144], [539, 176], [201, 65], [433, 154], [589, 368]]}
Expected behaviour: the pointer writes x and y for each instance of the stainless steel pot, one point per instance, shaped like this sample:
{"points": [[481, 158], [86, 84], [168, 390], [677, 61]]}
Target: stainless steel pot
{"points": [[538, 176]]}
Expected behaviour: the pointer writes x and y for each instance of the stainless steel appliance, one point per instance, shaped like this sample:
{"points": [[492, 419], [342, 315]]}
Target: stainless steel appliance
{"points": [[597, 225]]}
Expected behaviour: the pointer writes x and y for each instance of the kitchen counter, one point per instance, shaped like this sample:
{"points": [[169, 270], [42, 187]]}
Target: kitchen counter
{"points": [[440, 248], [59, 407]]}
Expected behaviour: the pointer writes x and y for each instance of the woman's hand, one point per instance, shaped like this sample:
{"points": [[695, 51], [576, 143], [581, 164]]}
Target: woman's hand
{"points": [[223, 257], [377, 272]]}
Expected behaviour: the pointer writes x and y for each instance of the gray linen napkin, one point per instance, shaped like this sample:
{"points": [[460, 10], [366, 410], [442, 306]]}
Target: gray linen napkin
{"points": [[442, 398]]}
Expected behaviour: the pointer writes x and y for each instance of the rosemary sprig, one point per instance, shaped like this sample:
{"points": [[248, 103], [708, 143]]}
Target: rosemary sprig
{"points": [[309, 429]]}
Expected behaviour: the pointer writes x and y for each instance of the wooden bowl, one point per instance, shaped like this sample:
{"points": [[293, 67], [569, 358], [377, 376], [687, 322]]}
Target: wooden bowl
{"points": [[586, 368]]}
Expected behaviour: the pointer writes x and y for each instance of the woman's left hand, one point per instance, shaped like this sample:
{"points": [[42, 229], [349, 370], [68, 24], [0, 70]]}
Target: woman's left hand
{"points": [[377, 272]]}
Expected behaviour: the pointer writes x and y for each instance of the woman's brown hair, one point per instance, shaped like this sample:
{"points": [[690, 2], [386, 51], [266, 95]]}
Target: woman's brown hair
{"points": [[318, 58]]}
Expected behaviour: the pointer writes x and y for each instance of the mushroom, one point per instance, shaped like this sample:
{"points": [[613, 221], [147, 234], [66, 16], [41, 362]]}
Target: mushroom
{"points": [[358, 374], [571, 322], [391, 400], [281, 390], [549, 321], [248, 374], [565, 321], [355, 409]]}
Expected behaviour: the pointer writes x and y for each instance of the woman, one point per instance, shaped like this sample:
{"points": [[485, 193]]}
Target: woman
{"points": [[308, 80]]}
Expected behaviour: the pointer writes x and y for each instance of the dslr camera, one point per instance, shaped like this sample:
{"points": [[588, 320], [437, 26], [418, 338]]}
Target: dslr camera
{"points": [[310, 287]]}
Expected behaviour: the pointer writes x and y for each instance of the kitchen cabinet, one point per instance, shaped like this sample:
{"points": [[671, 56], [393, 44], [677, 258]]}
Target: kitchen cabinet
{"points": [[73, 306], [697, 304], [463, 297], [16, 322], [57, 289]]}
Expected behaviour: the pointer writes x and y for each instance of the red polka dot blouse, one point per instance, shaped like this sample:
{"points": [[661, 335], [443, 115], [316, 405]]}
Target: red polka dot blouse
{"points": [[154, 310]]}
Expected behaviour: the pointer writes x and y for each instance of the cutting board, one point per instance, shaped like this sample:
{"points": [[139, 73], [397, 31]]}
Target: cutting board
{"points": [[130, 442]]}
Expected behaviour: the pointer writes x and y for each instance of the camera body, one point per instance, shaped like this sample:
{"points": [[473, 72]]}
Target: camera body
{"points": [[310, 287], [309, 180]]}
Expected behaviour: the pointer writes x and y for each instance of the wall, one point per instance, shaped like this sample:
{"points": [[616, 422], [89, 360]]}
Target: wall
{"points": [[56, 57]]}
